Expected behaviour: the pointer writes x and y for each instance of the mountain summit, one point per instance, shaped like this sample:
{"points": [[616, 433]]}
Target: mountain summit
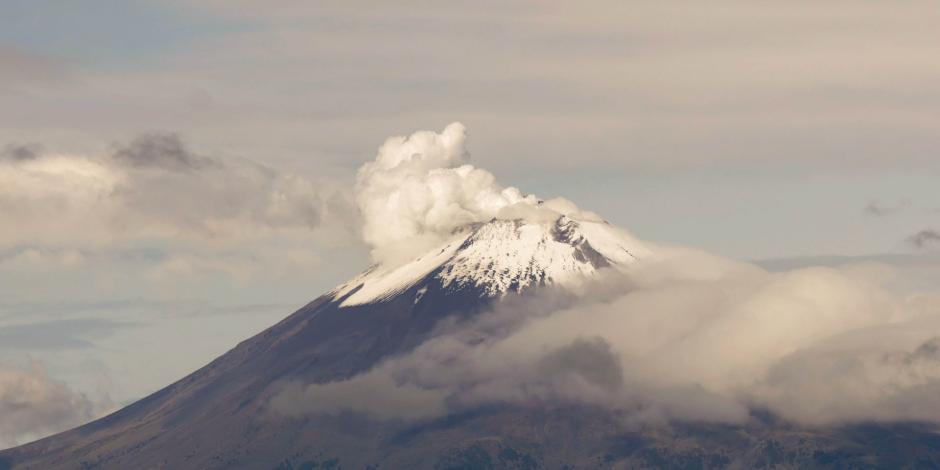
{"points": [[502, 256]]}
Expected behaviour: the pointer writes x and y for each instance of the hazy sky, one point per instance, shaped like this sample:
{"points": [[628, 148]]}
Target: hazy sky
{"points": [[175, 176]]}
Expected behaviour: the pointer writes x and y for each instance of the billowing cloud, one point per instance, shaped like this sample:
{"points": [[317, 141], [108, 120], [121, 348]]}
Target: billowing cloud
{"points": [[34, 405], [421, 187], [153, 187]]}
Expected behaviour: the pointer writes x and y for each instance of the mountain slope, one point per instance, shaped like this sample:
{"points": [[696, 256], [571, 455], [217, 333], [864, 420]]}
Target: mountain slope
{"points": [[219, 416]]}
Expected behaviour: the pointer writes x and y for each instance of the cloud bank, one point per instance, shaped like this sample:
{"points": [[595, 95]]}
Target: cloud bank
{"points": [[685, 336], [152, 187]]}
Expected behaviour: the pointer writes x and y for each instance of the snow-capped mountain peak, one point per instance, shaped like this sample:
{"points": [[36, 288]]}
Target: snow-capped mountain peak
{"points": [[502, 256]]}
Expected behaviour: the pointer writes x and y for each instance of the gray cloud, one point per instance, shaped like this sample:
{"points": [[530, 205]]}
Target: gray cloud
{"points": [[159, 150], [928, 351], [21, 152], [590, 359], [398, 400], [925, 239]]}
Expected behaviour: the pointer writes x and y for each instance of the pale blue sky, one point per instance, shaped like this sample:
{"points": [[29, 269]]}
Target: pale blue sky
{"points": [[105, 33]]}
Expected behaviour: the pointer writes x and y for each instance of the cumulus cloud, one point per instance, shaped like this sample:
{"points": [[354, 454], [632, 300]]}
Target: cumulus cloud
{"points": [[420, 188], [153, 187], [927, 238], [34, 405], [686, 335]]}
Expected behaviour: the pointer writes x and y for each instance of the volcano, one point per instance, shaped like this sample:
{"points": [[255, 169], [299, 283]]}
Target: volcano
{"points": [[221, 416]]}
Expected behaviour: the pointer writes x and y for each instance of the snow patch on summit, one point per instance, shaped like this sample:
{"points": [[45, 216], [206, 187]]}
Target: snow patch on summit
{"points": [[503, 256], [380, 283]]}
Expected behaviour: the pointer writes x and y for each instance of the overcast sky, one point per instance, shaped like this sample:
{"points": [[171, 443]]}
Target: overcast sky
{"points": [[175, 176]]}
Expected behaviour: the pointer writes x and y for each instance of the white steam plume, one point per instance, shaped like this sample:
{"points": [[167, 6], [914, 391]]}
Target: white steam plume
{"points": [[420, 188]]}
